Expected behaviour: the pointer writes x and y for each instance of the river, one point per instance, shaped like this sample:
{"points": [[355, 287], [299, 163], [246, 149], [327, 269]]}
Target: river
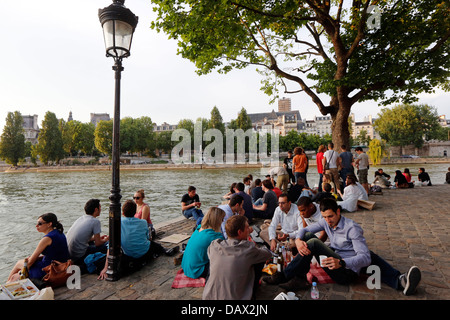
{"points": [[25, 196]]}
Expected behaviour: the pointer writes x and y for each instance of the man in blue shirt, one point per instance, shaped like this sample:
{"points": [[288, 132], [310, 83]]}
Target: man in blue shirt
{"points": [[347, 255], [136, 245]]}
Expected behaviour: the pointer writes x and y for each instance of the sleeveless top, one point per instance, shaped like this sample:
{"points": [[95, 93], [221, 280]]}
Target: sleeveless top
{"points": [[139, 214], [57, 250]]}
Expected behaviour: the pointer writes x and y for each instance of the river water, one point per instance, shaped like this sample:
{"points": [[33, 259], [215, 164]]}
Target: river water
{"points": [[25, 196]]}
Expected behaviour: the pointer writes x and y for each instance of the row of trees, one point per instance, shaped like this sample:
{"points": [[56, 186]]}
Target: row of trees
{"points": [[400, 126]]}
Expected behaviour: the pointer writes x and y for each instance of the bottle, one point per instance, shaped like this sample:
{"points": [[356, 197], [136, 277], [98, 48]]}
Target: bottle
{"points": [[314, 291], [24, 274], [281, 258]]}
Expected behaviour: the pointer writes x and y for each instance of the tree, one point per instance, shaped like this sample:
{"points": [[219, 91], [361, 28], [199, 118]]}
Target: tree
{"points": [[103, 137], [50, 140], [319, 48], [408, 124], [216, 121], [242, 121], [12, 142]]}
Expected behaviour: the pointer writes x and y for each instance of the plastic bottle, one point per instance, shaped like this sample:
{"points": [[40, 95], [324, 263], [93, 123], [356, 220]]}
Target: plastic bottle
{"points": [[314, 291]]}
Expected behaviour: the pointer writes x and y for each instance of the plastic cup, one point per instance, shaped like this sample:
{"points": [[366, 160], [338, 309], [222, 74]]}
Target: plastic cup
{"points": [[321, 258]]}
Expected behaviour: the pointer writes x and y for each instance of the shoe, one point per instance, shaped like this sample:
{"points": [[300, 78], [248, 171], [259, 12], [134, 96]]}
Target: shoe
{"points": [[295, 284], [276, 278], [172, 251], [410, 280]]}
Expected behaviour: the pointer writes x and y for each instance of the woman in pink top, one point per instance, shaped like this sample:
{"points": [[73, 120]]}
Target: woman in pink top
{"points": [[143, 210]]}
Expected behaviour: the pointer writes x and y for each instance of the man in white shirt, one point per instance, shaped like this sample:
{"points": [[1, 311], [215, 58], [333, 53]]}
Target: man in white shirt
{"points": [[285, 223], [333, 160], [233, 207]]}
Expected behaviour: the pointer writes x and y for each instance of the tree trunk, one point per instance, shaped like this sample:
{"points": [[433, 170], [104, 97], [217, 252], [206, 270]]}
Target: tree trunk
{"points": [[339, 127]]}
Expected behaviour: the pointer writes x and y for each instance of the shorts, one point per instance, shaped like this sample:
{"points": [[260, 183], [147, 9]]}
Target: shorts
{"points": [[362, 175]]}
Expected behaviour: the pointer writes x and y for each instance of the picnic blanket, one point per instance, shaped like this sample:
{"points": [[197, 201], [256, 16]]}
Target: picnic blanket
{"points": [[183, 281], [317, 274]]}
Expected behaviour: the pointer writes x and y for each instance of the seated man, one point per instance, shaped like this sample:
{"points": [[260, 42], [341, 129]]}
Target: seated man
{"points": [[326, 193], [285, 223], [84, 236], [235, 264], [248, 204], [424, 177], [270, 202], [190, 205], [347, 255], [257, 192], [135, 241], [310, 214], [233, 207]]}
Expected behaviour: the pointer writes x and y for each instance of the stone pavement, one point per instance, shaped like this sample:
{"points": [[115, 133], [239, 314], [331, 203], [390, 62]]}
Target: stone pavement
{"points": [[407, 227]]}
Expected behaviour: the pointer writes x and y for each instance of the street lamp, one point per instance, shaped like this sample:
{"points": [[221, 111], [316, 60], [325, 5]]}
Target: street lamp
{"points": [[118, 25]]}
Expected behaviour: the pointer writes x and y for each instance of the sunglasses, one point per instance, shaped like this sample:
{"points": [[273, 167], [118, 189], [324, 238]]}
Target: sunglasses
{"points": [[41, 223], [136, 198]]}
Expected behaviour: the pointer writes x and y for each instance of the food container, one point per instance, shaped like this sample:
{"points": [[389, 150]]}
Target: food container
{"points": [[20, 289]]}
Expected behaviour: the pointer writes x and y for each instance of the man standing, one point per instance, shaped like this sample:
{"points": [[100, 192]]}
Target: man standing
{"points": [[346, 163], [331, 162], [235, 264], [190, 205], [347, 255], [287, 164], [362, 164], [284, 224], [84, 238], [234, 207]]}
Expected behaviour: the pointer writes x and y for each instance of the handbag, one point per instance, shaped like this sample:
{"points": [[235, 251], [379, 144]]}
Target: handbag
{"points": [[56, 273]]}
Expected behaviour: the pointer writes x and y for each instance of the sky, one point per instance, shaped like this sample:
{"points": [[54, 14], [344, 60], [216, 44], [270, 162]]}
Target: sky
{"points": [[52, 58]]}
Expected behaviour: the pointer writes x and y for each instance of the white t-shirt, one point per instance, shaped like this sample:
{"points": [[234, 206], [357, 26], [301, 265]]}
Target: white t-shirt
{"points": [[331, 157]]}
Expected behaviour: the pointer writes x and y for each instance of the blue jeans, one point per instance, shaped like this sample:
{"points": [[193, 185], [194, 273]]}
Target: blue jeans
{"points": [[195, 213], [300, 265]]}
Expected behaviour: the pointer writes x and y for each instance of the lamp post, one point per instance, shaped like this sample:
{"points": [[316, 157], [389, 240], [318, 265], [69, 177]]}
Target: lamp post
{"points": [[118, 25]]}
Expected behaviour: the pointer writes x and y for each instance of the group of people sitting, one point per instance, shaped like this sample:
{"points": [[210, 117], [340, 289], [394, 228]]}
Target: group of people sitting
{"points": [[402, 180], [85, 245]]}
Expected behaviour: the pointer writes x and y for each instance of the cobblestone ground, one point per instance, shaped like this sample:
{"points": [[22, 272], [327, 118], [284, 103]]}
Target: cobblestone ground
{"points": [[407, 227]]}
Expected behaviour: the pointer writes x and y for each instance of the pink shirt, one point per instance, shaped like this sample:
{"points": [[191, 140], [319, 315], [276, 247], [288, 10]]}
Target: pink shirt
{"points": [[139, 214]]}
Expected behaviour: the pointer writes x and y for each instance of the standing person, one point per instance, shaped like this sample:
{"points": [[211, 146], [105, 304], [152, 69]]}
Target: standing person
{"points": [[348, 254], [362, 164], [287, 163], [346, 163], [190, 205], [284, 224], [52, 246], [143, 211], [299, 164], [195, 262], [235, 264], [282, 177], [319, 157], [270, 202], [330, 163], [84, 236], [424, 178]]}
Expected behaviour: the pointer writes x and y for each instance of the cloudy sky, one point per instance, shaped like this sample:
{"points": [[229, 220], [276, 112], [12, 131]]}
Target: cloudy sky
{"points": [[53, 59]]}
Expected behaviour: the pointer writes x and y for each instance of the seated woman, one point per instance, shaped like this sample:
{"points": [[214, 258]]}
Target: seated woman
{"points": [[231, 192], [352, 193], [143, 211], [195, 262], [52, 246], [408, 177], [400, 180], [424, 178]]}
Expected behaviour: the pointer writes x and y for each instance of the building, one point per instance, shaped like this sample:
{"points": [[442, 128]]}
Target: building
{"points": [[319, 126], [284, 105], [366, 125], [31, 128], [164, 127], [276, 122], [97, 117]]}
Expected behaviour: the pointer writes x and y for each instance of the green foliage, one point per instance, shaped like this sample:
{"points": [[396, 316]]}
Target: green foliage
{"points": [[408, 124], [12, 142], [306, 141], [318, 47], [50, 140]]}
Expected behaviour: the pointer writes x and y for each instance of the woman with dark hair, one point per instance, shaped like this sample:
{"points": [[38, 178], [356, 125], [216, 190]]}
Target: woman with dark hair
{"points": [[400, 180], [52, 246]]}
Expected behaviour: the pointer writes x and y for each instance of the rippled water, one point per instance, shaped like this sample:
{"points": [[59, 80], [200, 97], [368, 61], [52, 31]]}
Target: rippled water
{"points": [[25, 196]]}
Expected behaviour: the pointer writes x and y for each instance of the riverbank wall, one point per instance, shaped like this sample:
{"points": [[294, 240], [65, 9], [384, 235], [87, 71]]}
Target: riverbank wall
{"points": [[167, 166]]}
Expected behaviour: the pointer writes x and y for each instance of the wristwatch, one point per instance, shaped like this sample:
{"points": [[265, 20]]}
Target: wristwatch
{"points": [[342, 263]]}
